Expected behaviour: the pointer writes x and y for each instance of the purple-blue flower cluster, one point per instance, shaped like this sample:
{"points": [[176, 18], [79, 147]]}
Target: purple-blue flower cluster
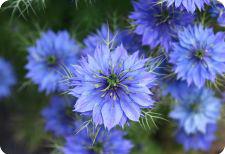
{"points": [[104, 35], [60, 120], [197, 141], [190, 6], [157, 23], [198, 55], [48, 58], [7, 78], [130, 40], [58, 116], [218, 11], [85, 142], [196, 111], [112, 85]]}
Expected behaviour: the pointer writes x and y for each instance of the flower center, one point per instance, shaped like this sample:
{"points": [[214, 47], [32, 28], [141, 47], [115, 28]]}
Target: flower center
{"points": [[51, 60], [199, 54], [163, 17], [97, 148], [194, 107], [113, 80]]}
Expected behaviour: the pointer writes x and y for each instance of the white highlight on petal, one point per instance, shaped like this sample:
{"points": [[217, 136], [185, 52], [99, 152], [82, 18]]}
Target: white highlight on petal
{"points": [[1, 2], [1, 152], [222, 1]]}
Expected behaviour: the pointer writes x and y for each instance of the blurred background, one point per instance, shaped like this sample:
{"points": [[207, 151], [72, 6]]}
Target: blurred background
{"points": [[21, 125]]}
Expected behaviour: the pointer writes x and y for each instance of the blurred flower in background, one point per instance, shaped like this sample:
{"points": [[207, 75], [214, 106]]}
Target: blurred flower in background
{"points": [[218, 11], [104, 35], [195, 109], [197, 112], [173, 87], [197, 140], [89, 141], [48, 58], [59, 117], [157, 23], [7, 78], [130, 40]]}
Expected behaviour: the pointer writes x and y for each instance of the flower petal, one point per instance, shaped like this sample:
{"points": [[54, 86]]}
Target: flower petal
{"points": [[111, 113], [131, 110]]}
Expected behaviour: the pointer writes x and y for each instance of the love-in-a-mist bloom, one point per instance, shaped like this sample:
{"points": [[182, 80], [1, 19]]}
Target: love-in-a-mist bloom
{"points": [[112, 85], [189, 5], [112, 142], [158, 23], [101, 36], [197, 141], [58, 116], [130, 40], [7, 78], [47, 58], [218, 11], [195, 109], [175, 88], [198, 55]]}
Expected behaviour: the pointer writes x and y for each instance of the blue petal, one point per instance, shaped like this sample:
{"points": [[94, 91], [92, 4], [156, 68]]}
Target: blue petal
{"points": [[131, 110], [111, 113]]}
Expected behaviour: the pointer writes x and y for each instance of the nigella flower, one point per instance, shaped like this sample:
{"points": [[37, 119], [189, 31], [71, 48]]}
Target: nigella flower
{"points": [[197, 141], [190, 6], [51, 53], [173, 87], [195, 109], [218, 11], [112, 86], [7, 78], [158, 23], [58, 116], [112, 142], [199, 55], [101, 36], [130, 40]]}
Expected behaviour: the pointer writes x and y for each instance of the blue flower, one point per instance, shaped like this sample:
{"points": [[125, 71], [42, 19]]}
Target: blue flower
{"points": [[101, 36], [112, 85], [7, 78], [198, 55], [218, 11], [51, 53], [190, 6], [173, 87], [195, 109], [112, 142], [59, 117], [157, 23], [197, 141], [130, 40]]}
